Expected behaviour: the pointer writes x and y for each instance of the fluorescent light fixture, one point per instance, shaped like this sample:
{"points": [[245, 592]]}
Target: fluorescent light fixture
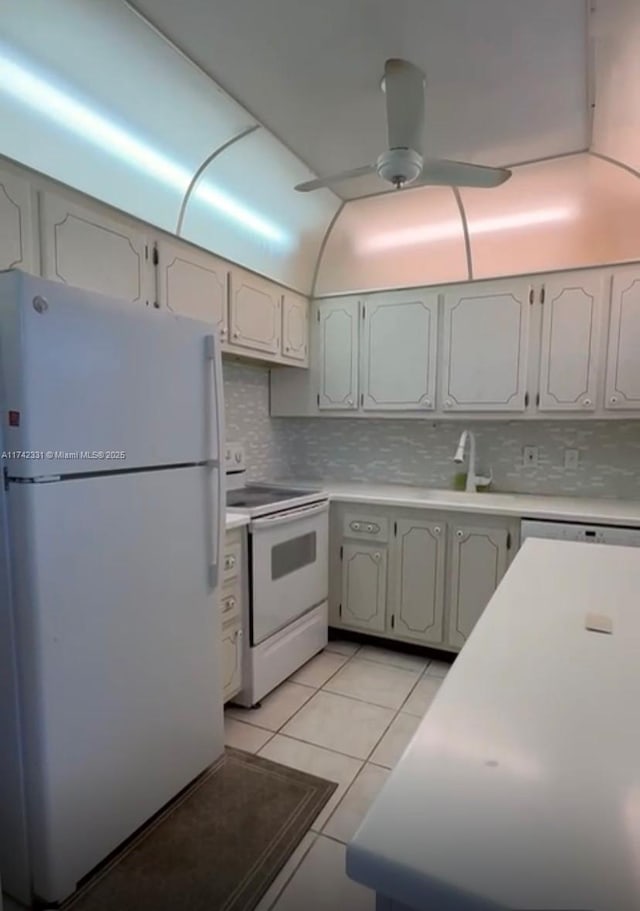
{"points": [[452, 229], [41, 96]]}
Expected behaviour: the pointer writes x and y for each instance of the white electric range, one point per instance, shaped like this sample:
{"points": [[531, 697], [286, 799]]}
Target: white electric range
{"points": [[288, 576]]}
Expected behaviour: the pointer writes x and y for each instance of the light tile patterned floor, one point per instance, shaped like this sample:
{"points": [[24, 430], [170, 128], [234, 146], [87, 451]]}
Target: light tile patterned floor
{"points": [[347, 715]]}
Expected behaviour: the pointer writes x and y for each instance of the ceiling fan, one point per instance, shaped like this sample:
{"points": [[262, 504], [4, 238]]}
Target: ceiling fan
{"points": [[402, 164]]}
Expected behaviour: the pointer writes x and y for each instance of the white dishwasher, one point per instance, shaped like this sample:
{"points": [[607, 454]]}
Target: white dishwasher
{"points": [[574, 531]]}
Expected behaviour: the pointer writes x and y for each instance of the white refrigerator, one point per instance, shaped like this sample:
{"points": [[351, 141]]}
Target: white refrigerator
{"points": [[111, 513]]}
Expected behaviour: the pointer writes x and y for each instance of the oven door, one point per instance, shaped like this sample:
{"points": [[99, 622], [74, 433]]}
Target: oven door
{"points": [[290, 567]]}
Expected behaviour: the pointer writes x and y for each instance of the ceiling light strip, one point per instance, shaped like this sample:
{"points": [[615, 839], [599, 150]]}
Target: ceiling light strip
{"points": [[323, 246], [205, 164], [465, 231]]}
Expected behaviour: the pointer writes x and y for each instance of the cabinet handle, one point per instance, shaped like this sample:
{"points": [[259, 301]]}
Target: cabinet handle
{"points": [[586, 402], [459, 533]]}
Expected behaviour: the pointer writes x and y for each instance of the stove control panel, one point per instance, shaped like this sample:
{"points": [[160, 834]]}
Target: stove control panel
{"points": [[234, 461]]}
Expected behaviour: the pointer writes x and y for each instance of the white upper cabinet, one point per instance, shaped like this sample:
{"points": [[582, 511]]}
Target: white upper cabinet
{"points": [[399, 344], [193, 283], [295, 328], [337, 326], [572, 308], [623, 358], [255, 307], [17, 224], [87, 249], [485, 341], [418, 591]]}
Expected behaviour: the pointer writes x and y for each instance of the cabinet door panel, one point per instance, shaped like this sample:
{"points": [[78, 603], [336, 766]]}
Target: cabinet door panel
{"points": [[478, 562], [486, 331], [87, 249], [255, 312], [231, 660], [364, 586], [295, 328], [571, 334], [17, 224], [337, 323], [419, 583], [399, 352], [623, 360], [194, 284]]}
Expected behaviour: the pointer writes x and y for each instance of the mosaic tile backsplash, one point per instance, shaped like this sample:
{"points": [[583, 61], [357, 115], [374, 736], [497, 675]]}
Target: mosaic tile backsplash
{"points": [[421, 452]]}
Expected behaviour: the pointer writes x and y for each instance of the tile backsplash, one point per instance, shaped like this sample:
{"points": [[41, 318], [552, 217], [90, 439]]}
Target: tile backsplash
{"points": [[421, 452]]}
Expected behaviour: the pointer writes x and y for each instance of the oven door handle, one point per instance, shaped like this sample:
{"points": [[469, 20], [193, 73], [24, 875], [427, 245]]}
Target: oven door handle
{"points": [[283, 518]]}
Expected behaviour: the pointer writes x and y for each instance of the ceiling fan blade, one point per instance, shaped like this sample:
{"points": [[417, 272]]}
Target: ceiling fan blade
{"points": [[335, 178], [404, 90], [442, 173]]}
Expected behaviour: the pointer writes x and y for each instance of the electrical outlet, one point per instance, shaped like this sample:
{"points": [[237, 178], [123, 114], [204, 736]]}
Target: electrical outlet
{"points": [[530, 456], [571, 459]]}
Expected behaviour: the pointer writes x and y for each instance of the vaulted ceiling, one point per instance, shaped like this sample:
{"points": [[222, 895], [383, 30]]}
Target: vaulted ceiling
{"points": [[506, 81]]}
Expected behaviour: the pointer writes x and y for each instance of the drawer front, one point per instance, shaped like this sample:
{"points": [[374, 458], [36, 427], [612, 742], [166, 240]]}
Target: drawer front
{"points": [[230, 604], [231, 561], [365, 528]]}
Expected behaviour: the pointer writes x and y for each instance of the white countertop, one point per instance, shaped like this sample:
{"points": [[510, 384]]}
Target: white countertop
{"points": [[521, 787], [236, 520], [570, 509]]}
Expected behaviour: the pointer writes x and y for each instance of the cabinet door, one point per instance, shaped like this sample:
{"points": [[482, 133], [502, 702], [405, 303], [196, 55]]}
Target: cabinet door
{"points": [[623, 359], [295, 328], [337, 324], [571, 334], [419, 570], [17, 224], [364, 586], [485, 339], [399, 352], [193, 283], [87, 249], [231, 659], [255, 308], [479, 558]]}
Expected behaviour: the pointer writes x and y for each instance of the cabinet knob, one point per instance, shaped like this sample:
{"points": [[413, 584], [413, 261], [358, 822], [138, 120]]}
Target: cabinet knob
{"points": [[229, 604], [613, 400], [369, 527], [459, 533], [349, 401], [586, 402], [437, 530], [223, 333], [287, 348], [236, 334], [426, 403], [355, 526], [448, 403], [377, 556], [230, 562]]}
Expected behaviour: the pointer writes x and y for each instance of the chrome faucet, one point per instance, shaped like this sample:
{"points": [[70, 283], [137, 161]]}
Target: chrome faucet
{"points": [[472, 479]]}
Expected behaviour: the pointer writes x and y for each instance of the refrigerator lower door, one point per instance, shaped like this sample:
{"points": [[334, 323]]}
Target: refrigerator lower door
{"points": [[118, 632], [94, 384]]}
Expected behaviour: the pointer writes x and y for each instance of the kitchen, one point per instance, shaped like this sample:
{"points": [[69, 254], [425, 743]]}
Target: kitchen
{"points": [[362, 333]]}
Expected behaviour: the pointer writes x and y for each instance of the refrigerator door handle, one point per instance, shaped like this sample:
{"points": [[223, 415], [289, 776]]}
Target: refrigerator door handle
{"points": [[215, 423]]}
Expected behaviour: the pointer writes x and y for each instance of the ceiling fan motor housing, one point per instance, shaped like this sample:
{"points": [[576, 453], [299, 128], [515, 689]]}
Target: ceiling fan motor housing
{"points": [[399, 166]]}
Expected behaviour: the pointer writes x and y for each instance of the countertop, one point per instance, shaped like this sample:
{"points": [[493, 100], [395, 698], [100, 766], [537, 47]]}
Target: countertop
{"points": [[570, 509], [521, 787], [236, 520]]}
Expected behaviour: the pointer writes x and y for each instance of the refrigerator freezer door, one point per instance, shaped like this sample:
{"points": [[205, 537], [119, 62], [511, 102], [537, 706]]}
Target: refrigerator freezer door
{"points": [[117, 630], [84, 374]]}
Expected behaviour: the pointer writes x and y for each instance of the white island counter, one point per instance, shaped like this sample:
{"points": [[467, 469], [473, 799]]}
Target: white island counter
{"points": [[521, 787]]}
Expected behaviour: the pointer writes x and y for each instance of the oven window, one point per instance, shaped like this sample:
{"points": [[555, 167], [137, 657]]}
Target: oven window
{"points": [[292, 555]]}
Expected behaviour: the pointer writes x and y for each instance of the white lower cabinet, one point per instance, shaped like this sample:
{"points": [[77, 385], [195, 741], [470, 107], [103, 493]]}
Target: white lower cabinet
{"points": [[233, 581], [417, 602], [416, 576], [364, 586], [479, 558]]}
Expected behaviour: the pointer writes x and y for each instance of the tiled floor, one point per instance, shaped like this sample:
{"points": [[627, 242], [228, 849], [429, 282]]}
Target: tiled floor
{"points": [[347, 716]]}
